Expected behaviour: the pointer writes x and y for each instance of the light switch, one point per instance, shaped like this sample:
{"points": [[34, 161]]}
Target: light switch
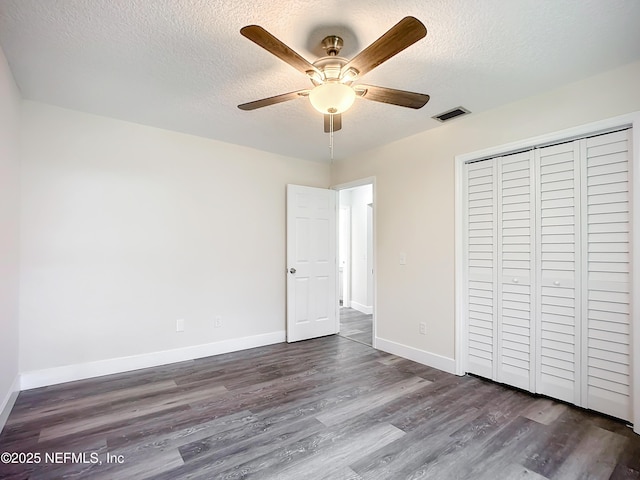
{"points": [[403, 258]]}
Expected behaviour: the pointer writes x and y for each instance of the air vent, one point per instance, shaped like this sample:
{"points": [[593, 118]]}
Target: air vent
{"points": [[449, 114]]}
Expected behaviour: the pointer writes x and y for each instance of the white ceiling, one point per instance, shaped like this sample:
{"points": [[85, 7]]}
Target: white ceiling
{"points": [[183, 65]]}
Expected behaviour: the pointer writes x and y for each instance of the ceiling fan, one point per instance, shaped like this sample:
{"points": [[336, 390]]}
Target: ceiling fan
{"points": [[333, 77]]}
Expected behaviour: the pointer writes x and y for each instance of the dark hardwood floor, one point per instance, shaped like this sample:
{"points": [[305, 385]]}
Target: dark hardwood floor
{"points": [[328, 408], [356, 325]]}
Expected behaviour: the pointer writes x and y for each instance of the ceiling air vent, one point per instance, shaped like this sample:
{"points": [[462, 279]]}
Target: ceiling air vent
{"points": [[449, 114]]}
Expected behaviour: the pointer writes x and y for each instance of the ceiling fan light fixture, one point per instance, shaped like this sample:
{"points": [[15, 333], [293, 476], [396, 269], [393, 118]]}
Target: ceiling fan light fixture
{"points": [[349, 75], [315, 77], [332, 98]]}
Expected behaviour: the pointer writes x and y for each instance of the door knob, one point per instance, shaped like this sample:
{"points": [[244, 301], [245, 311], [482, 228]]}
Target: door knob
{"points": [[292, 270]]}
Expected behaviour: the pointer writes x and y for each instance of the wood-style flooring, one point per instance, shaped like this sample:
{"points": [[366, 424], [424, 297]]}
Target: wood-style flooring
{"points": [[328, 408], [356, 325]]}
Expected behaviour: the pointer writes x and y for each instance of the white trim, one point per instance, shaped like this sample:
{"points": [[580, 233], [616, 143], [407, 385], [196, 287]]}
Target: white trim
{"points": [[374, 196], [7, 404], [69, 373], [635, 272], [429, 359], [536, 266], [368, 310], [567, 134], [356, 183], [628, 120], [359, 183], [459, 270]]}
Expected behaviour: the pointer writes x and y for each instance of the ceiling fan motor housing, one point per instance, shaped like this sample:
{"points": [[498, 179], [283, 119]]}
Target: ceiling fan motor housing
{"points": [[331, 67]]}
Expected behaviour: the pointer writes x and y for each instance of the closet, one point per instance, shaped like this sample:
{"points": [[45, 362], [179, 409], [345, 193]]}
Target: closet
{"points": [[547, 271]]}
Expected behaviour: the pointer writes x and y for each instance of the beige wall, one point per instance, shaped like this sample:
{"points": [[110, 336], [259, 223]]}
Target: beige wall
{"points": [[9, 230], [358, 200], [415, 197], [127, 228]]}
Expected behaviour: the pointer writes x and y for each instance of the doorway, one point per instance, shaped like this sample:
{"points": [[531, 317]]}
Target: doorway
{"points": [[356, 262]]}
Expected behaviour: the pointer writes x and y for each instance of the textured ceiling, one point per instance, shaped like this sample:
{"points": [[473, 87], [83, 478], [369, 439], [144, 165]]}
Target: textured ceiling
{"points": [[183, 65]]}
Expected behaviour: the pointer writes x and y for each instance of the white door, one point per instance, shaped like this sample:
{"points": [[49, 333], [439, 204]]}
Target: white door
{"points": [[500, 249], [515, 254], [312, 300], [606, 275], [481, 285], [558, 290]]}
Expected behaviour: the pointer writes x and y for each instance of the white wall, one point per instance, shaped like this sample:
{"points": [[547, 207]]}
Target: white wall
{"points": [[358, 199], [415, 198], [127, 228], [9, 232], [344, 247]]}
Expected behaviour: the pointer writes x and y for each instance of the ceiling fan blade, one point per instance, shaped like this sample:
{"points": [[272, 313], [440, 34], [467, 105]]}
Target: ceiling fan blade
{"points": [[401, 98], [270, 43], [265, 102], [337, 122], [405, 33]]}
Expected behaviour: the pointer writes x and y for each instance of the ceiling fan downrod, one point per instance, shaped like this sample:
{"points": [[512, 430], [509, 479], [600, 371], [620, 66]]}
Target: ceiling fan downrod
{"points": [[332, 45]]}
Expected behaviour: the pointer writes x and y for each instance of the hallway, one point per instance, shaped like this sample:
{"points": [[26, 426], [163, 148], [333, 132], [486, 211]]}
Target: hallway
{"points": [[356, 325]]}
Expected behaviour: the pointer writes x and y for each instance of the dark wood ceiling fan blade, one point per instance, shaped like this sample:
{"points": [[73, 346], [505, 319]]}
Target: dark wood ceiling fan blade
{"points": [[261, 37], [401, 98], [265, 102], [402, 35], [337, 122]]}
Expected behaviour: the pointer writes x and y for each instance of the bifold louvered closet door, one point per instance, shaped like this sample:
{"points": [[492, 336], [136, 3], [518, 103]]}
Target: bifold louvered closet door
{"points": [[558, 318], [606, 262], [547, 271], [500, 247]]}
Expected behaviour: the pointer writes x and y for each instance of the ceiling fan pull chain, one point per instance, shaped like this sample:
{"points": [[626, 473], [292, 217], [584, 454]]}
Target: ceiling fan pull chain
{"points": [[331, 136]]}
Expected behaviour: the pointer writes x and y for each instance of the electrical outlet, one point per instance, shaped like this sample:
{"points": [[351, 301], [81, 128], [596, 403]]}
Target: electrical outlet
{"points": [[217, 322], [423, 328], [180, 325]]}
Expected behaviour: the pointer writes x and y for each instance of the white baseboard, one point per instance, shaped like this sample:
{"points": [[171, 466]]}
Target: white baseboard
{"points": [[70, 373], [434, 360], [361, 308], [9, 401]]}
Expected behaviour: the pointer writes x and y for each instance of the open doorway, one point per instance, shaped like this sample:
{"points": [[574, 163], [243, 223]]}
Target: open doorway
{"points": [[355, 275]]}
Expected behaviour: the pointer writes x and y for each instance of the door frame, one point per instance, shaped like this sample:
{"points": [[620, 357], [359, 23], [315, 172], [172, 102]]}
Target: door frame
{"points": [[347, 268], [629, 120], [359, 183]]}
